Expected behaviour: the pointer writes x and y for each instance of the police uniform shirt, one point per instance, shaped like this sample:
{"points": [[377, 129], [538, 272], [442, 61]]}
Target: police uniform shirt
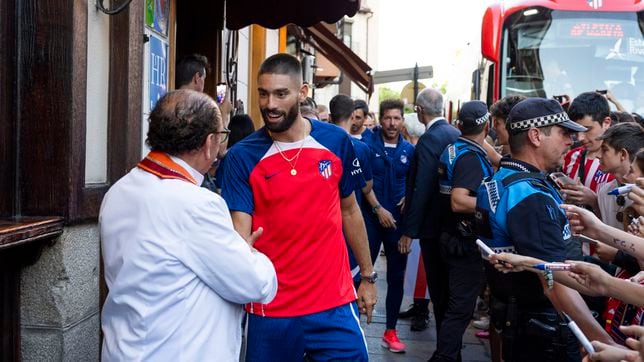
{"points": [[537, 226], [534, 226], [467, 175]]}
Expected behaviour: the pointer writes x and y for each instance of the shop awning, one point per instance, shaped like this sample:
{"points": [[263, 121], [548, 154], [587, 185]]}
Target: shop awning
{"points": [[274, 14], [325, 42]]}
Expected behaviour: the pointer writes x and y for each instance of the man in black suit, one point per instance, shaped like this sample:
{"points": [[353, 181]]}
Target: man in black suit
{"points": [[421, 211]]}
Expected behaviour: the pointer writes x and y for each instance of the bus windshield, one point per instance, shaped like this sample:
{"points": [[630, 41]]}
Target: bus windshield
{"points": [[548, 53]]}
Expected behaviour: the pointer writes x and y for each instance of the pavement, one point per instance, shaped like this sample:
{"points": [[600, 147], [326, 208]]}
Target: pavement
{"points": [[420, 345]]}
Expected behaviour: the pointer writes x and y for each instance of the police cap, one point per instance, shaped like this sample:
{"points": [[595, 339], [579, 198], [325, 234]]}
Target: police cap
{"points": [[537, 113]]}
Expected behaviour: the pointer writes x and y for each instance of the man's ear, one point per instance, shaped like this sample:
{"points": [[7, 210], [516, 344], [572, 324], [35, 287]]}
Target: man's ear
{"points": [[624, 155], [534, 136], [304, 92], [207, 146], [195, 78], [606, 123]]}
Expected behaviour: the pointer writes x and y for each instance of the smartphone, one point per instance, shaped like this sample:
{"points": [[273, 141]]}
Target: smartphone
{"points": [[601, 91], [221, 92], [484, 247], [561, 99], [561, 179]]}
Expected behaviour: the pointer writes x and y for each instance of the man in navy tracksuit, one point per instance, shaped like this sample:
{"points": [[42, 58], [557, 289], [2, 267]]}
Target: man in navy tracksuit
{"points": [[390, 159]]}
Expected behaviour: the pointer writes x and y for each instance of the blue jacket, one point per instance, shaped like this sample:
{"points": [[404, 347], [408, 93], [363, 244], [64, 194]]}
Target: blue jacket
{"points": [[422, 214], [389, 168]]}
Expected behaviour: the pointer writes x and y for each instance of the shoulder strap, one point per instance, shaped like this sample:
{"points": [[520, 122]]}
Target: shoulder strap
{"points": [[522, 176], [535, 178]]}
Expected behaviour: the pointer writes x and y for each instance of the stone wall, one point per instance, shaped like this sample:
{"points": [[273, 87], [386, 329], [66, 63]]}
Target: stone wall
{"points": [[60, 299]]}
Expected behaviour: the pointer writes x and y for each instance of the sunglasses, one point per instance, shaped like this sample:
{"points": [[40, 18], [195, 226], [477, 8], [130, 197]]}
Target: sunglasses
{"points": [[621, 201]]}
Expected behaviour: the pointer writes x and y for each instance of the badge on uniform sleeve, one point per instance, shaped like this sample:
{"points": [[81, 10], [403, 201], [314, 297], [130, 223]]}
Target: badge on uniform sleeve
{"points": [[324, 167]]}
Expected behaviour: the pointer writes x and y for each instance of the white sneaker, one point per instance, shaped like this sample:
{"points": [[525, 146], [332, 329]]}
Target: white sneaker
{"points": [[483, 323]]}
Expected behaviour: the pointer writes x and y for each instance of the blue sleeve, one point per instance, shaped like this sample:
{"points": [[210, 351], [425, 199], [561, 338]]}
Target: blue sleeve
{"points": [[537, 228], [365, 162], [235, 186], [351, 171]]}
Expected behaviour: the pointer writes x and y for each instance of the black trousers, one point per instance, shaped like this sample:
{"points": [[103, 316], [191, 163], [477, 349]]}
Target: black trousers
{"points": [[437, 278], [535, 346], [465, 277]]}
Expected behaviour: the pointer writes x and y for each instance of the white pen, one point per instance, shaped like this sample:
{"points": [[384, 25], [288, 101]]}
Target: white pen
{"points": [[586, 238], [579, 334]]}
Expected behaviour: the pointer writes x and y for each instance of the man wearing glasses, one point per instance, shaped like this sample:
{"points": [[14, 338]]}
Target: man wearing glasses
{"points": [[421, 214], [175, 268]]}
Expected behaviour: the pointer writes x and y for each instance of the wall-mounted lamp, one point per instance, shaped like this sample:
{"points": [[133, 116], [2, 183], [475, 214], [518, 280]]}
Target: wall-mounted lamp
{"points": [[116, 10]]}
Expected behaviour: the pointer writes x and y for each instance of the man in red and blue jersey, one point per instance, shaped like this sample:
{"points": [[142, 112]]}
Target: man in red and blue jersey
{"points": [[295, 177]]}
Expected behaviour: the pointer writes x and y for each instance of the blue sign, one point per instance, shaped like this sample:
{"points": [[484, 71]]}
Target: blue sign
{"points": [[158, 76]]}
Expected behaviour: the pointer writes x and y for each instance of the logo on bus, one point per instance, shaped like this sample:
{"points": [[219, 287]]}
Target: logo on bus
{"points": [[595, 4]]}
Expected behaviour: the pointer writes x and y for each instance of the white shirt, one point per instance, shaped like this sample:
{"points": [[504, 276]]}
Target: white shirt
{"points": [[434, 121], [177, 272], [608, 205]]}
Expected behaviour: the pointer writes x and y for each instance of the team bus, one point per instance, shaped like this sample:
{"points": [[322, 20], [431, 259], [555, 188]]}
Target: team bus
{"points": [[546, 48]]}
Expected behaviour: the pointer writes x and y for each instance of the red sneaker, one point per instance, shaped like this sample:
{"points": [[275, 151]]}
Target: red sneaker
{"points": [[391, 342], [482, 334]]}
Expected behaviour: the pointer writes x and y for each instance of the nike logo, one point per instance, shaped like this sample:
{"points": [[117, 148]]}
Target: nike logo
{"points": [[267, 177]]}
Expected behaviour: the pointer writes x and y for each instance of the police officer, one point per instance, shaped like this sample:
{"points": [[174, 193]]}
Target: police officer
{"points": [[462, 167], [518, 211], [390, 159]]}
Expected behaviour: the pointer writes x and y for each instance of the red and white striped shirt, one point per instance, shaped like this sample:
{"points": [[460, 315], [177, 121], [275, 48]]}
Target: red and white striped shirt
{"points": [[594, 178]]}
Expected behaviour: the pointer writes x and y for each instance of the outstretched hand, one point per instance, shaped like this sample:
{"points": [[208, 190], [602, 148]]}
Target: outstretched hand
{"points": [[590, 276], [612, 353], [636, 340], [582, 221], [508, 262]]}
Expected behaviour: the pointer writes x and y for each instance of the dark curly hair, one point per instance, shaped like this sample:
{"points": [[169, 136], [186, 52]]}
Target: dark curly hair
{"points": [[502, 107], [181, 121]]}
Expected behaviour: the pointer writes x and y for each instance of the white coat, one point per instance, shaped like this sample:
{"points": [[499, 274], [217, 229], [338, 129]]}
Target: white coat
{"points": [[177, 272]]}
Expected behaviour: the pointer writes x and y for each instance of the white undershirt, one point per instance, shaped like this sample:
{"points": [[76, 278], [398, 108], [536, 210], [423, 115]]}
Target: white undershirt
{"points": [[433, 121]]}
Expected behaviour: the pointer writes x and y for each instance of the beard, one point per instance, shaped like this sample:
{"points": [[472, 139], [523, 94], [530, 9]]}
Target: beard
{"points": [[287, 118], [355, 128]]}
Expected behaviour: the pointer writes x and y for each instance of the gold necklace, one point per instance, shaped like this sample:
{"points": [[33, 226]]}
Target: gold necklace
{"points": [[289, 160]]}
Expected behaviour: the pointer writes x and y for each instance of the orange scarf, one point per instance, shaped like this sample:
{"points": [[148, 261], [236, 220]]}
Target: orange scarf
{"points": [[161, 165]]}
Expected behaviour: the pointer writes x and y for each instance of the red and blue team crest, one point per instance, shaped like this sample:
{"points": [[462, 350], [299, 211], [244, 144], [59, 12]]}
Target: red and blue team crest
{"points": [[325, 168]]}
